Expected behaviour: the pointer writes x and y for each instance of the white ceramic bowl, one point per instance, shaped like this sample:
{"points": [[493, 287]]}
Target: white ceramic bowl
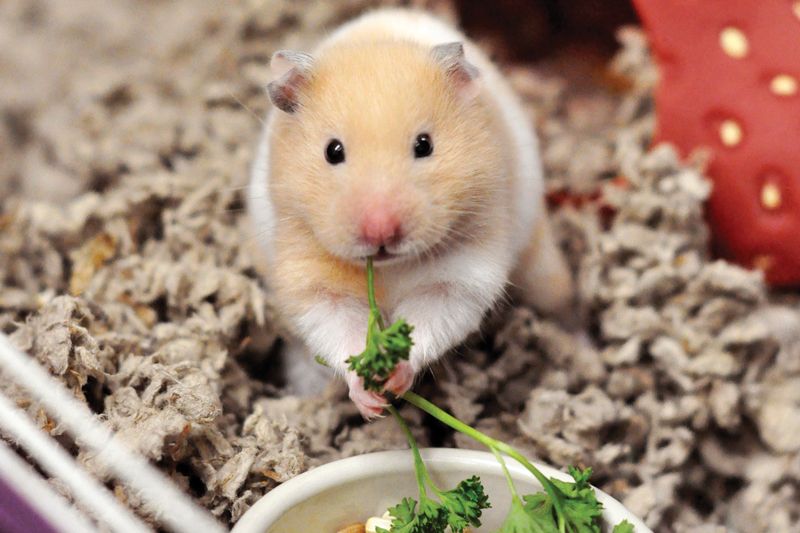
{"points": [[348, 491]]}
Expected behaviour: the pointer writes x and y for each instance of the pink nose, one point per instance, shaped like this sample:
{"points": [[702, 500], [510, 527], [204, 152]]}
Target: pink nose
{"points": [[380, 227]]}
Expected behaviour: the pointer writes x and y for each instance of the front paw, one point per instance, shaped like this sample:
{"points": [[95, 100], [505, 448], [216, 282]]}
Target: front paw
{"points": [[401, 379], [370, 404]]}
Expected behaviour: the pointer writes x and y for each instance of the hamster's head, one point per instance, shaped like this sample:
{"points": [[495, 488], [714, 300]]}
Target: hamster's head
{"points": [[385, 149]]}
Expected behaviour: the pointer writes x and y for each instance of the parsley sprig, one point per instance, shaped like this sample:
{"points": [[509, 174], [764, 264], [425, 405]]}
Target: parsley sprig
{"points": [[386, 347], [457, 508], [563, 507]]}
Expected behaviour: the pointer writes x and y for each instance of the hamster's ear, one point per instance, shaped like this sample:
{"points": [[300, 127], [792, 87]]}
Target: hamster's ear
{"points": [[291, 71], [460, 71]]}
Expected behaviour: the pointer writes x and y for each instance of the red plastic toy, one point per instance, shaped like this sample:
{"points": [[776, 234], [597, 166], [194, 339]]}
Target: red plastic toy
{"points": [[730, 81]]}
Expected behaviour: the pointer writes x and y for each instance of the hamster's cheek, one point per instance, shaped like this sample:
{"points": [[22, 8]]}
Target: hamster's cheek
{"points": [[332, 230]]}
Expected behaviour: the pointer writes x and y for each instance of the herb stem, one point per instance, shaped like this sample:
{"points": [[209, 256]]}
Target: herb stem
{"points": [[494, 445], [373, 304], [506, 473], [419, 465], [445, 417], [546, 483]]}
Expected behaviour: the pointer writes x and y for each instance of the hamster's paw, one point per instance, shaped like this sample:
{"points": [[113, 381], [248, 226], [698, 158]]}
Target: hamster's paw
{"points": [[370, 404], [401, 379]]}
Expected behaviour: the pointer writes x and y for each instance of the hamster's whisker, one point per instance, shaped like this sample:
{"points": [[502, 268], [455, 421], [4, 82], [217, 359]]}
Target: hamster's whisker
{"points": [[451, 234], [505, 295], [245, 107], [258, 235], [230, 210], [237, 188]]}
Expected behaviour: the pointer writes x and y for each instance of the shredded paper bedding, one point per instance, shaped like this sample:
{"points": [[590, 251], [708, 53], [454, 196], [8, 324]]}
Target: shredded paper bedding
{"points": [[127, 268]]}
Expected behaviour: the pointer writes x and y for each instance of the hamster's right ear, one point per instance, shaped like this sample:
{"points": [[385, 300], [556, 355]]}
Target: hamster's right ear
{"points": [[291, 71], [461, 72]]}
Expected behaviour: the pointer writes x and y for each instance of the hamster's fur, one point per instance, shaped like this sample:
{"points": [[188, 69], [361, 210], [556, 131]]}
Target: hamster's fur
{"points": [[450, 229]]}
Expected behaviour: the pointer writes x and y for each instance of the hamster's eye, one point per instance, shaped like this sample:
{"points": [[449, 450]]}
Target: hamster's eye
{"points": [[423, 146], [334, 152]]}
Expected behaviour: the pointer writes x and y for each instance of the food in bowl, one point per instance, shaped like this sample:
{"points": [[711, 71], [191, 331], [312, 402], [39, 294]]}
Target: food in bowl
{"points": [[374, 524], [347, 491]]}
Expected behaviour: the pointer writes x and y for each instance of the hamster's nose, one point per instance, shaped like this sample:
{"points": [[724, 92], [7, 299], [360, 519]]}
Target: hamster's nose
{"points": [[380, 227]]}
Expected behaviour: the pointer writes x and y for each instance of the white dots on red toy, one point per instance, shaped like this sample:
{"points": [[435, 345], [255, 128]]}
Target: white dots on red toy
{"points": [[734, 42], [730, 84], [770, 196], [783, 85], [730, 132]]}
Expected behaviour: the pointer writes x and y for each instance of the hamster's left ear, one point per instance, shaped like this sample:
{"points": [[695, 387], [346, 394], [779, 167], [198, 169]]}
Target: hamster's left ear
{"points": [[462, 73], [291, 71]]}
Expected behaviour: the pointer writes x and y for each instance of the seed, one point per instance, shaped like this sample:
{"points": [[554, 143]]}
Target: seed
{"points": [[374, 523], [355, 528]]}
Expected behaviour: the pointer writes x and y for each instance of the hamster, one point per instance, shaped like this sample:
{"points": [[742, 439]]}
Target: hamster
{"points": [[397, 138]]}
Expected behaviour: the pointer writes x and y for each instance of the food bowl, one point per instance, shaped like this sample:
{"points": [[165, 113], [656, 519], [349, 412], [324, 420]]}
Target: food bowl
{"points": [[345, 492]]}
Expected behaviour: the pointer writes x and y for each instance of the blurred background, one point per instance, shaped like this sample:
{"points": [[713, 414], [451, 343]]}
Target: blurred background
{"points": [[58, 59]]}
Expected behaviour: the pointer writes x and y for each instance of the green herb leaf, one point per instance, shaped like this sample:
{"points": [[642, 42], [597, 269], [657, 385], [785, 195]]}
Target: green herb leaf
{"points": [[385, 349], [582, 511], [396, 340], [403, 514], [623, 527], [431, 517], [581, 508], [523, 520], [465, 504]]}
